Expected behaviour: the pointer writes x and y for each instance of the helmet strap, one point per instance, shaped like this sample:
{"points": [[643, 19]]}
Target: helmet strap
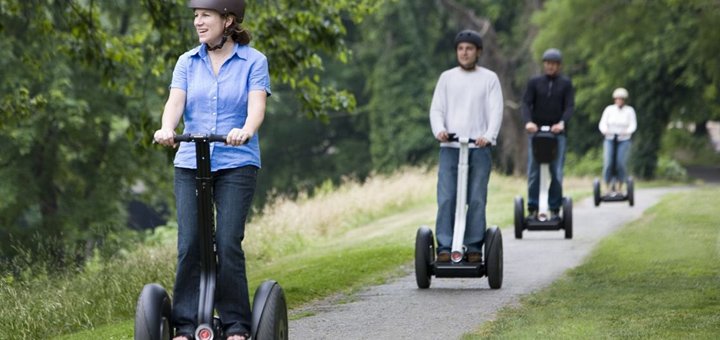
{"points": [[218, 46], [472, 67], [222, 41]]}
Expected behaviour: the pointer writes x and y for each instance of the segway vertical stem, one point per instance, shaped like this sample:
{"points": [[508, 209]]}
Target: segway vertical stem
{"points": [[206, 235], [613, 162], [461, 202]]}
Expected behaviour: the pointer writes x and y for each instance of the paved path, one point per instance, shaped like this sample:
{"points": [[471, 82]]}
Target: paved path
{"points": [[452, 307]]}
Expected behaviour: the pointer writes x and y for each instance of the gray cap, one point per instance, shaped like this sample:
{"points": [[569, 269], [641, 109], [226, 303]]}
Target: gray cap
{"points": [[469, 36], [552, 54]]}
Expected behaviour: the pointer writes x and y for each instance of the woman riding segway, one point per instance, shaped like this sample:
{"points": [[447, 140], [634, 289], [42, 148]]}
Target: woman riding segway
{"points": [[617, 124], [219, 87]]}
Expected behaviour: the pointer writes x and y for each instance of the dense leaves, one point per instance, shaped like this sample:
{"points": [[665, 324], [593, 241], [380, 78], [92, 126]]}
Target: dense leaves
{"points": [[664, 52], [82, 86]]}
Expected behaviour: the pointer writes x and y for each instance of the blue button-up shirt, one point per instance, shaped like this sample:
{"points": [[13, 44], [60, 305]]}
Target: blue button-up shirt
{"points": [[217, 104]]}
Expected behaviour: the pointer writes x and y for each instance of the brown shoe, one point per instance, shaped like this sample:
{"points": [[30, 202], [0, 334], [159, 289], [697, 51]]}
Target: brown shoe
{"points": [[443, 256], [474, 257]]}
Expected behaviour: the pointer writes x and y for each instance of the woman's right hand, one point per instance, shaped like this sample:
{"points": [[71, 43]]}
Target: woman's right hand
{"points": [[165, 137]]}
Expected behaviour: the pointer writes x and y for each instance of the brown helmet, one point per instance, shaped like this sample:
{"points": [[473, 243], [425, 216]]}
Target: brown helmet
{"points": [[236, 7]]}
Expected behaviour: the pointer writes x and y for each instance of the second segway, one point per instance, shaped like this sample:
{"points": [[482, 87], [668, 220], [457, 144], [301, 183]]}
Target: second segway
{"points": [[614, 195], [153, 311], [425, 264], [544, 150]]}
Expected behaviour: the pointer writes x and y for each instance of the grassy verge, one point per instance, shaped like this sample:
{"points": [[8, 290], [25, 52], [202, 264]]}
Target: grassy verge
{"points": [[339, 241], [659, 277]]}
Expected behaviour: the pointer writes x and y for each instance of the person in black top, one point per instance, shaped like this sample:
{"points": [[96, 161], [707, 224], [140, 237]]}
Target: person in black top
{"points": [[548, 101]]}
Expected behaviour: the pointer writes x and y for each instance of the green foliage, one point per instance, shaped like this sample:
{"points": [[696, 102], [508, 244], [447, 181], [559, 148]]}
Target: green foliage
{"points": [[82, 87], [294, 34], [688, 149], [589, 164], [74, 80], [670, 169], [656, 49], [401, 50]]}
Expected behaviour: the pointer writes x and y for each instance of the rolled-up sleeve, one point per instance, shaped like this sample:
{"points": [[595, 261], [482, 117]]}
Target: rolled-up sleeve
{"points": [[260, 76], [179, 78]]}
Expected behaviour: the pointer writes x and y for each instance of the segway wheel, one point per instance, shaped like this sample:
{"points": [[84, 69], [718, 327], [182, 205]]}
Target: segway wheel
{"points": [[567, 217], [596, 191], [494, 257], [424, 256], [152, 314], [269, 312], [519, 217], [631, 191]]}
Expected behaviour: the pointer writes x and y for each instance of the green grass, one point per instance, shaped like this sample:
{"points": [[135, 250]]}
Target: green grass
{"points": [[350, 238], [659, 277]]}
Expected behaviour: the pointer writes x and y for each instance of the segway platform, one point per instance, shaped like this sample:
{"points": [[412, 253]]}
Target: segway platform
{"points": [[462, 269]]}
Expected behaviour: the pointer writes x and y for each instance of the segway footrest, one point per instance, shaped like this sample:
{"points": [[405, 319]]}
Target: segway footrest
{"points": [[462, 269], [544, 225]]}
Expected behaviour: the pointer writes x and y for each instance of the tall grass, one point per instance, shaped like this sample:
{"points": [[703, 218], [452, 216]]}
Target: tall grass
{"points": [[106, 291], [290, 225]]}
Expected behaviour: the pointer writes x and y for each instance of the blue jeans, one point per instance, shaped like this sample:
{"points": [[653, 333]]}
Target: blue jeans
{"points": [[480, 163], [555, 195], [623, 150], [233, 191]]}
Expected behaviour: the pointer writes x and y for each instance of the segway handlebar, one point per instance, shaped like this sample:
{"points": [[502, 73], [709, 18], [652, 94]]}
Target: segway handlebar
{"points": [[211, 138], [544, 131], [452, 137], [188, 137]]}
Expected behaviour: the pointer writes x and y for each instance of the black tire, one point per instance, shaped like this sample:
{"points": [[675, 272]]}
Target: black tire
{"points": [[494, 257], [424, 257], [519, 217], [270, 320], [567, 217], [631, 191], [596, 192], [152, 314]]}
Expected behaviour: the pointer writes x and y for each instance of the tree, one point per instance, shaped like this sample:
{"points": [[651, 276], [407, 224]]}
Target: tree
{"points": [[83, 83], [662, 51], [409, 43]]}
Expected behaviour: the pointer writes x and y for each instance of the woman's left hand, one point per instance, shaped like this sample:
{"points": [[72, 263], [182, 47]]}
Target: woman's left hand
{"points": [[238, 137]]}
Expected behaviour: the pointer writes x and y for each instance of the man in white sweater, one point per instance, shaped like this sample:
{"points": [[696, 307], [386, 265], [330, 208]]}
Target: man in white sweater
{"points": [[468, 102], [617, 124]]}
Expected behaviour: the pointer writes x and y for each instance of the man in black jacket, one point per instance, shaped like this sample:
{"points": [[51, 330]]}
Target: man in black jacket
{"points": [[548, 101]]}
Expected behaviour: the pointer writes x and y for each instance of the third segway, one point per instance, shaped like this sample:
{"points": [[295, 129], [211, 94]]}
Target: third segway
{"points": [[614, 195]]}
